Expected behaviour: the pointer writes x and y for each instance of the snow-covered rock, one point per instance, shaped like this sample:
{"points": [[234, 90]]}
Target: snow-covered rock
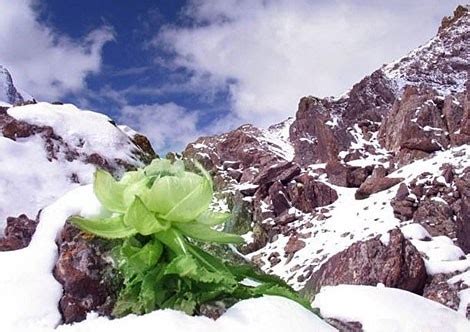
{"points": [[47, 149]]}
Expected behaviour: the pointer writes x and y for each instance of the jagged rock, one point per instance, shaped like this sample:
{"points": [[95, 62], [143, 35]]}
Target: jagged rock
{"points": [[345, 175], [415, 124], [374, 185], [279, 198], [447, 21], [85, 274], [314, 141], [404, 206], [397, 264], [438, 289], [283, 172], [307, 194], [18, 233]]}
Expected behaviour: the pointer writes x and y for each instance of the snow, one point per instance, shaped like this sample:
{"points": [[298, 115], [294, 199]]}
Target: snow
{"points": [[89, 131], [30, 293], [276, 139], [29, 181], [26, 187], [387, 309], [267, 313]]}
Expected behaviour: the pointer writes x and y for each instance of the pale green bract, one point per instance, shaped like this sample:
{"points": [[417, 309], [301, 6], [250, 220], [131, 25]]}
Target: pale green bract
{"points": [[162, 213], [151, 199]]}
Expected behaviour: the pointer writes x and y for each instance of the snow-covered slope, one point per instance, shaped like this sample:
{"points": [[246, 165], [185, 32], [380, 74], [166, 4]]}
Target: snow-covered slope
{"points": [[46, 150]]}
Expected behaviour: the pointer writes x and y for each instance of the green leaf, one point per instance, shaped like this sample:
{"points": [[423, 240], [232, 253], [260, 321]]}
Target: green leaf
{"points": [[187, 266], [211, 218], [173, 239], [135, 259], [179, 198], [132, 177], [205, 233], [108, 191], [158, 167], [144, 221], [110, 228]]}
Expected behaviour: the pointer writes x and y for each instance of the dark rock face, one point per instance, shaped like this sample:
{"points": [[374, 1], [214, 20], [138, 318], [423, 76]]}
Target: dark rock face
{"points": [[314, 141], [397, 265], [415, 126], [307, 194], [374, 185], [345, 175], [85, 275], [18, 233]]}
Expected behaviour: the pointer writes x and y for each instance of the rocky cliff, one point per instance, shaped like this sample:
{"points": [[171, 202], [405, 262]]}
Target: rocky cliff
{"points": [[318, 194]]}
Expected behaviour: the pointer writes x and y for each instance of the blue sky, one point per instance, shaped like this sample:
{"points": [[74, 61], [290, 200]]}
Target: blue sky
{"points": [[176, 70]]}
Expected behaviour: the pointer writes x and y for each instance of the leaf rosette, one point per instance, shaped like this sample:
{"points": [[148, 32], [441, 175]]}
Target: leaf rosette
{"points": [[161, 213]]}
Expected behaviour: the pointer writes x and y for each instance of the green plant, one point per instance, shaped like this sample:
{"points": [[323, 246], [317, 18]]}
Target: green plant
{"points": [[162, 212]]}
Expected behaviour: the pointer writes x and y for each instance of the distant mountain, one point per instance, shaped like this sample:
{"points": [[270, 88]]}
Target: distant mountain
{"points": [[9, 94]]}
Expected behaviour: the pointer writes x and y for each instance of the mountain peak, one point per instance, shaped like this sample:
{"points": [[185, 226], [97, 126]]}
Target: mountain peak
{"points": [[459, 12], [9, 94]]}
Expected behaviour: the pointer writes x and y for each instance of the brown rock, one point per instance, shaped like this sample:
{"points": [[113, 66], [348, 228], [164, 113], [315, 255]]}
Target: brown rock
{"points": [[307, 194], [283, 172], [293, 245], [375, 185], [397, 265], [18, 233], [278, 195], [85, 275]]}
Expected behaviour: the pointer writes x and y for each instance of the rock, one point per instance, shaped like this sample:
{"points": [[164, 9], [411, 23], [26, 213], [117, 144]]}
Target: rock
{"points": [[314, 141], [375, 185], [283, 172], [397, 264], [345, 175], [86, 275], [307, 194], [18, 233], [414, 125], [279, 200], [462, 222], [345, 326], [293, 245], [439, 290], [436, 217], [447, 21]]}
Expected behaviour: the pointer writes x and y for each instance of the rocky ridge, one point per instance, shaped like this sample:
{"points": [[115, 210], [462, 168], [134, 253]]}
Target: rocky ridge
{"points": [[371, 150]]}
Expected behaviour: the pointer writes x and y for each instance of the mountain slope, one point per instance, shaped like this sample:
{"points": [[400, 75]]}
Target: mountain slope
{"points": [[365, 163]]}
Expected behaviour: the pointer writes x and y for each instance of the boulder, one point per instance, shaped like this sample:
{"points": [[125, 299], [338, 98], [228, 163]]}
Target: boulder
{"points": [[83, 268], [306, 193], [374, 185], [397, 264]]}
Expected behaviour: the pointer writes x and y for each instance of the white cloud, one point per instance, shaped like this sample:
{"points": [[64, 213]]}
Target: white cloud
{"points": [[44, 62], [168, 126], [269, 53]]}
